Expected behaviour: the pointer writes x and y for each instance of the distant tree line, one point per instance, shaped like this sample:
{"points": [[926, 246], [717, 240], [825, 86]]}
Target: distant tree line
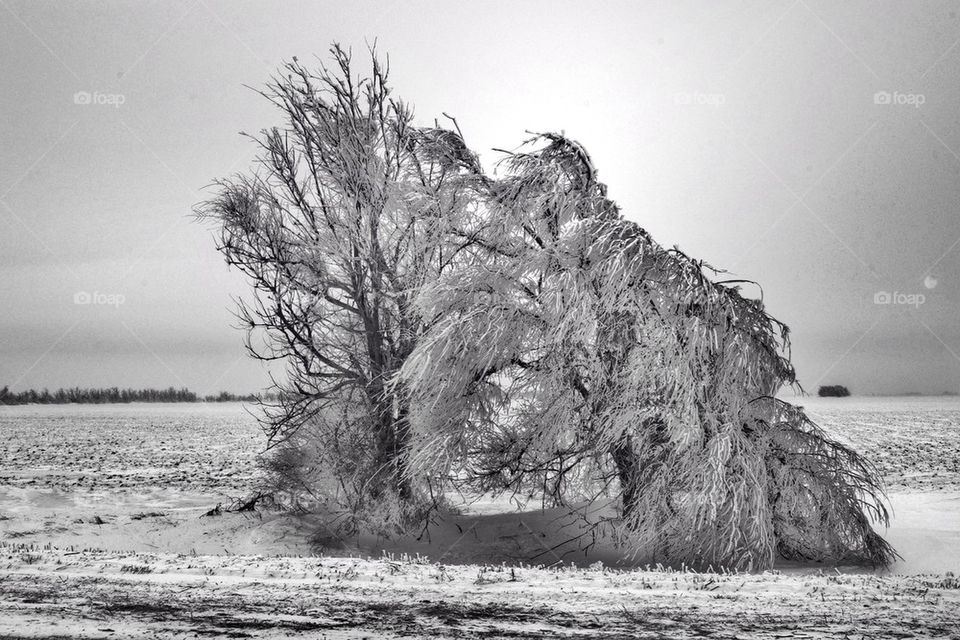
{"points": [[77, 395], [226, 396]]}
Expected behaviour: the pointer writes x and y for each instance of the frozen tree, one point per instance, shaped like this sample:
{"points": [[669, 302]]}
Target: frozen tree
{"points": [[516, 334], [577, 357], [348, 211]]}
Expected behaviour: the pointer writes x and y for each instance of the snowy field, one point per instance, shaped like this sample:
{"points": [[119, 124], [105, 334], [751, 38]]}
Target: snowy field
{"points": [[915, 441], [101, 536], [205, 449]]}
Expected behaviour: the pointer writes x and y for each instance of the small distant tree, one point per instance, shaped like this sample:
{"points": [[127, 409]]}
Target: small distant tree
{"points": [[833, 391], [348, 212]]}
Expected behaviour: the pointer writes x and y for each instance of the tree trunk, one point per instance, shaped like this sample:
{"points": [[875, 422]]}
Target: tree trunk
{"points": [[390, 439], [402, 435], [627, 463]]}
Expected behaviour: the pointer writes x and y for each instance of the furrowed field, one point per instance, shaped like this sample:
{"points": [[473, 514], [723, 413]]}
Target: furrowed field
{"points": [[207, 449]]}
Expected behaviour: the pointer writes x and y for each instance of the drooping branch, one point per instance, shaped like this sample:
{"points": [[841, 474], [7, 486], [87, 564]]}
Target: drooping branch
{"points": [[646, 377]]}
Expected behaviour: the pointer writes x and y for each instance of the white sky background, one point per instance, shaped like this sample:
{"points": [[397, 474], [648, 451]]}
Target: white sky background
{"points": [[746, 133]]}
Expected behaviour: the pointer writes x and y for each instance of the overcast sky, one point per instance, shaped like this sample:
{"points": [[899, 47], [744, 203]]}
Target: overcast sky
{"points": [[807, 145]]}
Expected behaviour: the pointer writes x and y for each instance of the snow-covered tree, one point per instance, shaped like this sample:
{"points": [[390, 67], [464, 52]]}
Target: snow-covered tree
{"points": [[576, 357], [514, 334], [349, 210]]}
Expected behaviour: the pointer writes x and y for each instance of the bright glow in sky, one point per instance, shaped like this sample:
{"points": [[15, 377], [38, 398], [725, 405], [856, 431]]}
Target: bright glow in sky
{"points": [[750, 134]]}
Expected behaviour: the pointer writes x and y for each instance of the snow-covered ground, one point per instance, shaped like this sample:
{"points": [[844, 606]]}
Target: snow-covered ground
{"points": [[915, 441], [101, 535], [47, 593]]}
